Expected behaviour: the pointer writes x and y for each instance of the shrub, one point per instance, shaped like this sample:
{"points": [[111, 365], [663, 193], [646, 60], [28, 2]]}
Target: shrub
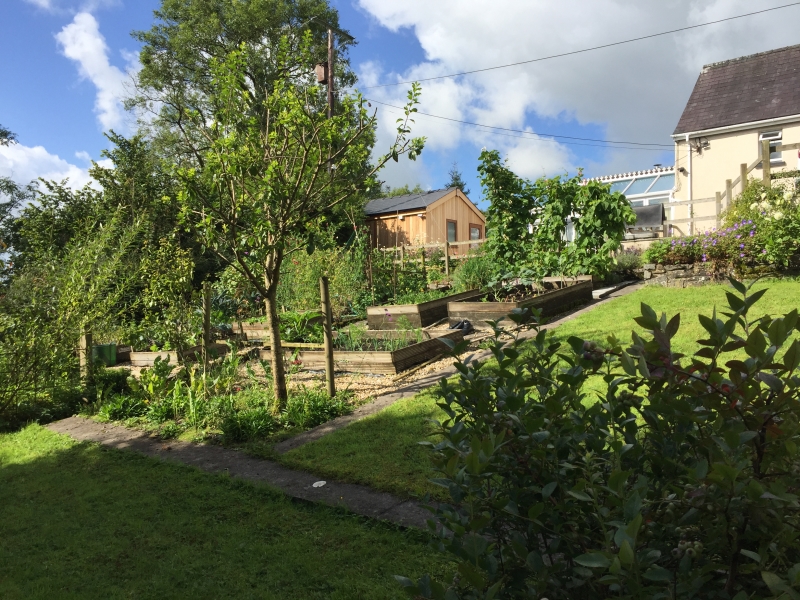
{"points": [[248, 424], [628, 261], [680, 482], [474, 273], [309, 407], [121, 407]]}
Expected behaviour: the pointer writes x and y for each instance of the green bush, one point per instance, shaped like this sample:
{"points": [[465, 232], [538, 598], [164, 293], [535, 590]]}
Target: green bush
{"points": [[248, 424], [679, 482], [309, 407], [474, 273], [628, 261], [120, 407]]}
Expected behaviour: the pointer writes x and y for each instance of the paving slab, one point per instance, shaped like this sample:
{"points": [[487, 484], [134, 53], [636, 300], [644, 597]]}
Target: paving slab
{"points": [[382, 402], [359, 499]]}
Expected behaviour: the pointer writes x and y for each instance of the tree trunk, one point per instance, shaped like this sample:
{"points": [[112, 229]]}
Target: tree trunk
{"points": [[276, 349]]}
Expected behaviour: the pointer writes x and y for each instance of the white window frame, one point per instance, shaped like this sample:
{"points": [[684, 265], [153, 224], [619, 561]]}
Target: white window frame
{"points": [[775, 138]]}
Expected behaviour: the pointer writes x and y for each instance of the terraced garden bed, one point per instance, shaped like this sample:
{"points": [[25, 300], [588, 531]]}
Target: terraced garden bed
{"points": [[422, 314]]}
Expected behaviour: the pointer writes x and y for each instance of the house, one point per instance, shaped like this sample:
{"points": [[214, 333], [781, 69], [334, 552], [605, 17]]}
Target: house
{"points": [[429, 217], [735, 106]]}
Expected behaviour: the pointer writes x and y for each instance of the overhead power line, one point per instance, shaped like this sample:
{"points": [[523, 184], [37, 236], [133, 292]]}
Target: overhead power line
{"points": [[573, 52], [572, 140]]}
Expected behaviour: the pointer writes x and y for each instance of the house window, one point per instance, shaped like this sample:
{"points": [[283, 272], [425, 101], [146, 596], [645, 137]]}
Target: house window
{"points": [[475, 232], [775, 138], [452, 228]]}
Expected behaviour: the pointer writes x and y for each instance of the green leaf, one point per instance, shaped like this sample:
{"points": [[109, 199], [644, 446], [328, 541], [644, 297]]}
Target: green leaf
{"points": [[738, 286], [656, 573], [775, 584], [594, 560], [626, 553], [548, 489], [580, 496], [755, 556]]}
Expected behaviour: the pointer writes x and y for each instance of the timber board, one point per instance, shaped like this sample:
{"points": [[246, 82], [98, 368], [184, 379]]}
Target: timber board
{"points": [[418, 315]]}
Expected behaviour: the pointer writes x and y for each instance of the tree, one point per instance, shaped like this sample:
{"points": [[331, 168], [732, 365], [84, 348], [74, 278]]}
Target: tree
{"points": [[402, 191], [189, 35], [12, 196], [455, 180], [272, 170]]}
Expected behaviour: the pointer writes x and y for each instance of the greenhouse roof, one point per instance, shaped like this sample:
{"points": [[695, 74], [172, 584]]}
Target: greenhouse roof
{"points": [[658, 180]]}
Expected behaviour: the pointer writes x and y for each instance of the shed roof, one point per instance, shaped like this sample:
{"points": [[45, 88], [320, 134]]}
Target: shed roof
{"points": [[742, 90], [405, 202]]}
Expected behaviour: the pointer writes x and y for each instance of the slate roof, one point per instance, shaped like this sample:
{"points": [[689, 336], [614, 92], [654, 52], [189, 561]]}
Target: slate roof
{"points": [[742, 90], [404, 203]]}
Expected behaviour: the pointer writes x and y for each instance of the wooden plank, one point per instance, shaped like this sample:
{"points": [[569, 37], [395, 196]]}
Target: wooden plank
{"points": [[550, 302], [781, 147], [419, 315], [688, 202], [765, 163], [689, 220]]}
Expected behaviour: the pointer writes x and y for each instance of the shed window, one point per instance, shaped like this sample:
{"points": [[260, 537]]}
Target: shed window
{"points": [[775, 138], [452, 228]]}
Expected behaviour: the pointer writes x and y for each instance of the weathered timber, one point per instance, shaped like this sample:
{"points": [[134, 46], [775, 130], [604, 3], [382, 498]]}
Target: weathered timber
{"points": [[385, 363], [418, 315], [148, 359], [551, 302]]}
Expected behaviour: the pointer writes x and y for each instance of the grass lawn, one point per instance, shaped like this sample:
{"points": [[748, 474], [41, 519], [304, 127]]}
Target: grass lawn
{"points": [[382, 450], [82, 521]]}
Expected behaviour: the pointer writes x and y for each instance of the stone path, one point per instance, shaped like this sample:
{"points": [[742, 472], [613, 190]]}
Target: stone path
{"points": [[359, 499], [216, 459]]}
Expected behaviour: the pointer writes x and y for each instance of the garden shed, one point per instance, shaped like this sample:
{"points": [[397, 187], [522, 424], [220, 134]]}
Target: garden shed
{"points": [[424, 218]]}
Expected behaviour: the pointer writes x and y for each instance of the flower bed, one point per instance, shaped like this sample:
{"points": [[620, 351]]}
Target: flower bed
{"points": [[379, 361], [557, 297], [417, 315]]}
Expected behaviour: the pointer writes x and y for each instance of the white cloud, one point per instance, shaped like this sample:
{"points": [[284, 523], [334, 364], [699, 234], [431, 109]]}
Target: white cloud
{"points": [[633, 92], [44, 4], [24, 164], [82, 42]]}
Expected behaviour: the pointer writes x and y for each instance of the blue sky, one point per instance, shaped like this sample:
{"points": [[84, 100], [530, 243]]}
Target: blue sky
{"points": [[63, 66]]}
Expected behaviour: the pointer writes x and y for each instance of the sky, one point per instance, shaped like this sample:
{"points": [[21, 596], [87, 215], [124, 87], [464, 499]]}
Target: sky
{"points": [[66, 65]]}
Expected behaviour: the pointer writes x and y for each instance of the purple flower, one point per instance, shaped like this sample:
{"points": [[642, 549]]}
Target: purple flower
{"points": [[705, 258], [741, 256], [764, 251], [741, 245]]}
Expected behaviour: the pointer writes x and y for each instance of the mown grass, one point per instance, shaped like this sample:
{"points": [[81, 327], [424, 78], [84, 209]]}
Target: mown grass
{"points": [[82, 521], [383, 451]]}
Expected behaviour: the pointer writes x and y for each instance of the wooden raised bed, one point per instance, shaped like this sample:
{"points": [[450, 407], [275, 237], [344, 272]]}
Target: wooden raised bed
{"points": [[555, 300], [418, 315], [147, 359], [385, 363]]}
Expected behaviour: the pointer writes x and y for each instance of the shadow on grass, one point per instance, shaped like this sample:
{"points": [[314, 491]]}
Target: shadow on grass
{"points": [[81, 521]]}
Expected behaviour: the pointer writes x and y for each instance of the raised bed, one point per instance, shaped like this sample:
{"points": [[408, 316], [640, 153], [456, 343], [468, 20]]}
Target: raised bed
{"points": [[385, 363], [148, 359], [557, 298], [418, 315]]}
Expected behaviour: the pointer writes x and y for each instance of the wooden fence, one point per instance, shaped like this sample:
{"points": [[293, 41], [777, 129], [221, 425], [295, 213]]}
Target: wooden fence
{"points": [[413, 253], [723, 199]]}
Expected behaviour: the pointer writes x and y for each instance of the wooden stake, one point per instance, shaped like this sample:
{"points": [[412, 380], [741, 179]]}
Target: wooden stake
{"points": [[717, 206], [330, 73], [85, 357], [447, 258], [424, 270], [765, 164], [206, 323], [325, 298], [728, 193]]}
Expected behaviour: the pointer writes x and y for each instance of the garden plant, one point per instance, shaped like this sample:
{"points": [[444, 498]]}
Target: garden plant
{"points": [[679, 482]]}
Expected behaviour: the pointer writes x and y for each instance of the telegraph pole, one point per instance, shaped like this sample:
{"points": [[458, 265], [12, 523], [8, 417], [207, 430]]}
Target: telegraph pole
{"points": [[330, 71]]}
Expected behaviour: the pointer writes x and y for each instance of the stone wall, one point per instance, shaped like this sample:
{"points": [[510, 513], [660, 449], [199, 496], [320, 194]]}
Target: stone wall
{"points": [[688, 275]]}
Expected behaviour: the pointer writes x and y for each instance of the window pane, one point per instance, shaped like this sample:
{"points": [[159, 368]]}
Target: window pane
{"points": [[451, 231], [665, 183], [619, 186], [637, 203], [474, 233], [639, 186], [663, 200]]}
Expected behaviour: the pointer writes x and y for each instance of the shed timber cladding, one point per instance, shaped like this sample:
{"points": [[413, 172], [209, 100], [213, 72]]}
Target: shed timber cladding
{"points": [[743, 90], [422, 218]]}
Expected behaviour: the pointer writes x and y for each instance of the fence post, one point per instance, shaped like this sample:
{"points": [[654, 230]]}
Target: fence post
{"points": [[766, 176], [85, 356], [728, 193], [424, 270], [327, 317], [206, 323], [718, 205], [402, 256], [447, 258], [743, 176]]}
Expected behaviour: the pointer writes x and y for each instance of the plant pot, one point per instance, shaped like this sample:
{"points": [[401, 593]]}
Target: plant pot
{"points": [[105, 354]]}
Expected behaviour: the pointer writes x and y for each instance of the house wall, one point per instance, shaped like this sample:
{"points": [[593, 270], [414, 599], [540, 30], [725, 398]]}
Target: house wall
{"points": [[721, 161], [388, 231], [453, 208]]}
